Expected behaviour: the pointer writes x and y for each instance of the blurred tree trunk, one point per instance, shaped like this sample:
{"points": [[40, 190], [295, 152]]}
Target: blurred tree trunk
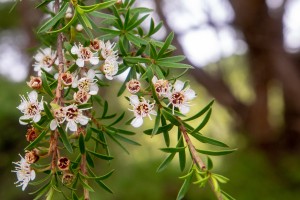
{"points": [[268, 61]]}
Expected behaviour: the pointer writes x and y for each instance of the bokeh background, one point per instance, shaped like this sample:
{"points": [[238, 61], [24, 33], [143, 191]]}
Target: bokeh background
{"points": [[246, 57]]}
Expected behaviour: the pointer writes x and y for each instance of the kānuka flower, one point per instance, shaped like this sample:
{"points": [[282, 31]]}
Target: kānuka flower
{"points": [[24, 173], [84, 55], [141, 109], [31, 108], [35, 82], [59, 117], [87, 83], [179, 97], [44, 59], [63, 163], [162, 87], [133, 86], [74, 116], [107, 50], [110, 68]]}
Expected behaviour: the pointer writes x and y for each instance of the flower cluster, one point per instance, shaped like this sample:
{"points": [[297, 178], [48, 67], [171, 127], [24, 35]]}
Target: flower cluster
{"points": [[178, 97]]}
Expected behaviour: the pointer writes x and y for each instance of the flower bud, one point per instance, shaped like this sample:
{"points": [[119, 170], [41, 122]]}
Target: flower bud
{"points": [[63, 163], [79, 27], [133, 86], [35, 82], [31, 134], [68, 15], [67, 178], [32, 156]]}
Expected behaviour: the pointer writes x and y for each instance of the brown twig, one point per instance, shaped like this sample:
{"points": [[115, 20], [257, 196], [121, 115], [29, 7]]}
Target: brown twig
{"points": [[86, 194], [195, 156]]}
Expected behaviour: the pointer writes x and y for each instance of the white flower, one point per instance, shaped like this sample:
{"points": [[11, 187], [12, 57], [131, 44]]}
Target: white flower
{"points": [[24, 173], [84, 54], [59, 117], [75, 116], [141, 109], [87, 83], [162, 87], [110, 68], [81, 96], [180, 97], [30, 107], [43, 60], [107, 50]]}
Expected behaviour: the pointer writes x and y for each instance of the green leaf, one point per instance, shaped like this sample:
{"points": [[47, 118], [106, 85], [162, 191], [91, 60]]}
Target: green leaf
{"points": [[135, 40], [216, 153], [136, 23], [160, 129], [65, 140], [181, 154], [203, 123], [50, 23], [124, 139], [102, 15], [210, 164], [86, 27], [166, 44], [156, 125], [227, 196], [37, 140], [66, 26], [166, 162], [105, 187], [104, 157], [118, 119], [170, 117], [81, 144], [173, 65], [220, 178], [89, 160], [85, 106], [166, 132], [172, 149], [98, 6], [137, 60], [46, 85], [111, 31], [88, 134], [41, 191], [85, 185], [208, 140], [47, 110], [184, 188], [200, 113], [172, 59], [99, 177], [118, 143]]}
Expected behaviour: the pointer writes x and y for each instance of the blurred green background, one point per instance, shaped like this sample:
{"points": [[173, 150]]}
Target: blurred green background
{"points": [[256, 109]]}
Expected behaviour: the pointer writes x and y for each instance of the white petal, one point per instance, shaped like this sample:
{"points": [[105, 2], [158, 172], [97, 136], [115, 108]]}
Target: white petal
{"points": [[72, 126], [39, 56], [91, 74], [83, 120], [22, 106], [74, 49], [33, 96], [178, 85], [137, 122], [75, 82], [25, 183], [93, 89], [32, 175], [47, 51], [109, 77], [134, 100], [23, 118], [94, 60], [56, 76], [80, 62], [190, 94], [154, 79], [184, 109], [37, 117], [53, 125]]}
